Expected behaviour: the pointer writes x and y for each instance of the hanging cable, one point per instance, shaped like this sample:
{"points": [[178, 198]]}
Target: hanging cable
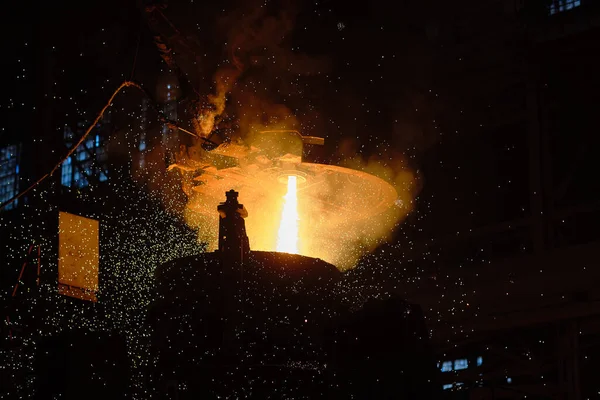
{"points": [[123, 85]]}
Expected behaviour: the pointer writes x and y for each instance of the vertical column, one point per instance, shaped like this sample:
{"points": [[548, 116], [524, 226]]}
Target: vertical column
{"points": [[568, 352], [536, 201], [546, 178]]}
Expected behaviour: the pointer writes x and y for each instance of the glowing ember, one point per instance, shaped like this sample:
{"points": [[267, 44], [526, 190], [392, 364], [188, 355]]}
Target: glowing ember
{"points": [[287, 239]]}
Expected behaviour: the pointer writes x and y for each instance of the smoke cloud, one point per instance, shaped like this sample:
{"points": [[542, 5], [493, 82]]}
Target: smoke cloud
{"points": [[347, 237], [256, 37], [263, 83]]}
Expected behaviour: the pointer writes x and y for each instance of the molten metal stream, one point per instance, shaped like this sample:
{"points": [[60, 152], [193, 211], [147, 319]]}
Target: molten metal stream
{"points": [[287, 239]]}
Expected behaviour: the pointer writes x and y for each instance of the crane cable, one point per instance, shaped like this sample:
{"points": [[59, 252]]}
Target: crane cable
{"points": [[123, 85]]}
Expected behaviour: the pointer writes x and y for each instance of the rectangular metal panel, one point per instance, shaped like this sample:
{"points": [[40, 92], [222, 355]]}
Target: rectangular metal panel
{"points": [[78, 256]]}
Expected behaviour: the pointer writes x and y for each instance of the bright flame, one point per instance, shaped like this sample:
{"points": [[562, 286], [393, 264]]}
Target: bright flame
{"points": [[287, 239]]}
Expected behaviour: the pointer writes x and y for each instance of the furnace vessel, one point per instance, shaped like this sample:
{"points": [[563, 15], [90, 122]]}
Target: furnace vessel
{"points": [[236, 323]]}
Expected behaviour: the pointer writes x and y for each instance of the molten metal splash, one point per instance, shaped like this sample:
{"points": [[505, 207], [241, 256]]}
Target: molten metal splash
{"points": [[287, 239]]}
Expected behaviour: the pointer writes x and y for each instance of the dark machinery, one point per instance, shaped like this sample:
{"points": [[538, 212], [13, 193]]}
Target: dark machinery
{"points": [[236, 323], [233, 240]]}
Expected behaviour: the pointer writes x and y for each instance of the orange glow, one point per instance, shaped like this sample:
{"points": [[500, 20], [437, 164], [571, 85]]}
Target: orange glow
{"points": [[330, 212], [287, 239]]}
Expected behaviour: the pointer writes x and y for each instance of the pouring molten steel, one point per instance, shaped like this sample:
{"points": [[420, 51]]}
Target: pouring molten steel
{"points": [[287, 239], [317, 210]]}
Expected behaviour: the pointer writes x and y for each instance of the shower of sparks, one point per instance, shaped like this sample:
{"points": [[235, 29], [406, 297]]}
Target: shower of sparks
{"points": [[287, 239], [138, 236], [451, 279], [134, 240]]}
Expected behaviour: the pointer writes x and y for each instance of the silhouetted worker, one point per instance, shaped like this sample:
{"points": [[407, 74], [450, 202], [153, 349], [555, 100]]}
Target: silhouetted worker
{"points": [[234, 250], [233, 241]]}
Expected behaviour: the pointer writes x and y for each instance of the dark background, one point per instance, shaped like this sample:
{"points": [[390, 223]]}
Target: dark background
{"points": [[492, 104]]}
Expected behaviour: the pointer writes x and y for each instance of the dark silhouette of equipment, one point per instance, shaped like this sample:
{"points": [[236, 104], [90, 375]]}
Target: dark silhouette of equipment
{"points": [[255, 325], [383, 352], [165, 37], [234, 249], [82, 364], [233, 241]]}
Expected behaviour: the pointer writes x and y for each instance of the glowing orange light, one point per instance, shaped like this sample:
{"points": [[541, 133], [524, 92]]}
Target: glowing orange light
{"points": [[341, 213], [287, 239]]}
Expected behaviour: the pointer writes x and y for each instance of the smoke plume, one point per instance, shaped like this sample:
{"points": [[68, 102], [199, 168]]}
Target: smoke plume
{"points": [[267, 86]]}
